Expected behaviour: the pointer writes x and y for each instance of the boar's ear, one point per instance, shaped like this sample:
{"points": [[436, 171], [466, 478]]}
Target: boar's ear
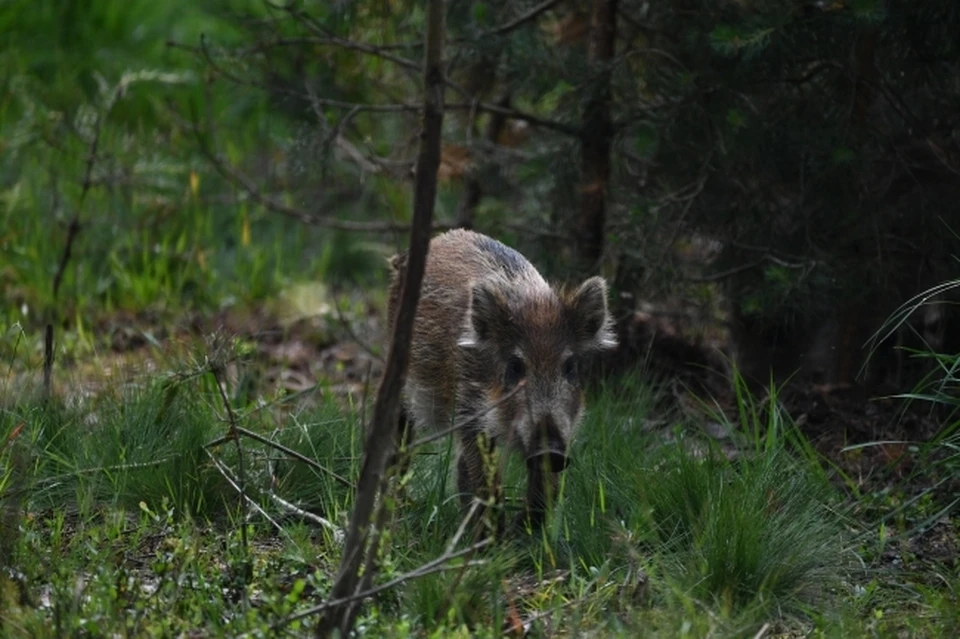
{"points": [[592, 324], [486, 316]]}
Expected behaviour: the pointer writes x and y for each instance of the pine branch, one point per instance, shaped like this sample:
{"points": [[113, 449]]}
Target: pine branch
{"points": [[324, 39], [239, 179], [531, 14]]}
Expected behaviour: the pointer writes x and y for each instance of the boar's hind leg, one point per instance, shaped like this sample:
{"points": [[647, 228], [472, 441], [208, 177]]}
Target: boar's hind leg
{"points": [[473, 479]]}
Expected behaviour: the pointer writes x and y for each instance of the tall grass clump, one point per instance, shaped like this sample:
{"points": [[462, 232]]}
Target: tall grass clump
{"points": [[938, 387], [139, 445], [746, 532], [333, 438], [739, 535]]}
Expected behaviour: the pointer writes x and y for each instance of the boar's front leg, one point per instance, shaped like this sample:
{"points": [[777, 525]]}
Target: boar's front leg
{"points": [[542, 487], [474, 480]]}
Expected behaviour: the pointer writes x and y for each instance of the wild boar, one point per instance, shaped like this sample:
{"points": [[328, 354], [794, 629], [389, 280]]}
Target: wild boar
{"points": [[486, 322]]}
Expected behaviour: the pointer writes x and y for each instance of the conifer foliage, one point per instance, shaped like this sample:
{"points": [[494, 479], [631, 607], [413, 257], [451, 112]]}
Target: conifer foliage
{"points": [[807, 153]]}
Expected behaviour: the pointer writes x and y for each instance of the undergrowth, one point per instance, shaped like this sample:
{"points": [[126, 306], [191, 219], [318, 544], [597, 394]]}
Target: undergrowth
{"points": [[130, 521], [100, 128]]}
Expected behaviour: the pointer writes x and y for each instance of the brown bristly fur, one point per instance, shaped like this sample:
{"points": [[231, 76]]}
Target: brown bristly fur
{"points": [[485, 321]]}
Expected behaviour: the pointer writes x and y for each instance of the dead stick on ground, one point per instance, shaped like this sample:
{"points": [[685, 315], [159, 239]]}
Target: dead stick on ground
{"points": [[283, 449], [381, 440], [435, 565], [234, 434], [219, 465], [317, 519], [369, 569]]}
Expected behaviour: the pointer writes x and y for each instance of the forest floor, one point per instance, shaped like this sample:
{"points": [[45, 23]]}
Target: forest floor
{"points": [[896, 496]]}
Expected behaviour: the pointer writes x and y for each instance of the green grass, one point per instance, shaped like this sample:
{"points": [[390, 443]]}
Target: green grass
{"points": [[648, 536], [118, 509]]}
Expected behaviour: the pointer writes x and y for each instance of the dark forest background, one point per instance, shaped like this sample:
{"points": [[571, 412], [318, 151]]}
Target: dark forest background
{"points": [[770, 187]]}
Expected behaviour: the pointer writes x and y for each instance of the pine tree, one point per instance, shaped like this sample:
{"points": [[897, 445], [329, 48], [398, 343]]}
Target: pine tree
{"points": [[814, 142]]}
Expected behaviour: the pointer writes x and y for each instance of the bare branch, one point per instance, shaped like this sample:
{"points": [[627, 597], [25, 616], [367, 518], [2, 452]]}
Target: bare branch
{"points": [[381, 440], [352, 333], [283, 449], [325, 523], [380, 52], [522, 19], [74, 227], [219, 465], [528, 16], [325, 37], [721, 275], [488, 107], [436, 565], [239, 179], [217, 372], [423, 441]]}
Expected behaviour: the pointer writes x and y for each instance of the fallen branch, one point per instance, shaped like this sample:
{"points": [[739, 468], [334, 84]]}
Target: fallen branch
{"points": [[338, 534], [283, 449], [432, 566], [429, 568], [219, 465]]}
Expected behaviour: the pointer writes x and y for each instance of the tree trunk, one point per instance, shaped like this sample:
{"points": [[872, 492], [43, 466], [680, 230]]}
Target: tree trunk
{"points": [[853, 314], [472, 190], [596, 135], [381, 440]]}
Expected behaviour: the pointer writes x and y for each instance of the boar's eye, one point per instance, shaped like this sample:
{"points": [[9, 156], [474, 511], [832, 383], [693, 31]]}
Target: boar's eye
{"points": [[570, 369], [516, 370]]}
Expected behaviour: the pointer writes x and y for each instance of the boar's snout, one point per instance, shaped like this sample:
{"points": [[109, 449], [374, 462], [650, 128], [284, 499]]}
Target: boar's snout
{"points": [[548, 445]]}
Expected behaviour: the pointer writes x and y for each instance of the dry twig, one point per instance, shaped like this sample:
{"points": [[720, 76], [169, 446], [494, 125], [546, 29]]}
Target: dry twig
{"points": [[74, 228], [220, 466], [283, 449], [317, 519], [436, 565], [439, 564], [217, 372]]}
